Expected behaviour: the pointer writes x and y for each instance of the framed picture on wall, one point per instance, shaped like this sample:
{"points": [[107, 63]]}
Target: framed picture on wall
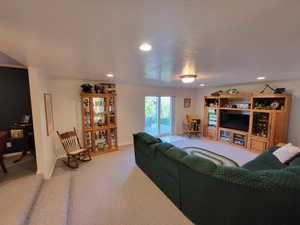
{"points": [[187, 102], [49, 113]]}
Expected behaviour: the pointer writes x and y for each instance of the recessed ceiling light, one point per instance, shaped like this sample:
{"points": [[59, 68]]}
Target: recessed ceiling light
{"points": [[261, 78], [189, 78], [202, 85], [145, 47], [109, 75]]}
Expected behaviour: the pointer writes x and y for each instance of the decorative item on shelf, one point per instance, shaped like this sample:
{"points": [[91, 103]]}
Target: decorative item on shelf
{"points": [[87, 88], [16, 133], [232, 91], [105, 88], [243, 106], [99, 89], [262, 105], [86, 103], [227, 106], [279, 91], [187, 102], [217, 93], [261, 123], [212, 105], [267, 86], [275, 105], [100, 122], [25, 119]]}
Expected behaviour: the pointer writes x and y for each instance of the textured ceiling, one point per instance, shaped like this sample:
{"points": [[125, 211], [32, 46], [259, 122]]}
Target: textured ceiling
{"points": [[225, 42]]}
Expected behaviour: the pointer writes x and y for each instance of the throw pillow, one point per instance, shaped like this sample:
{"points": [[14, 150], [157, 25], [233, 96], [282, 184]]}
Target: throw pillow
{"points": [[286, 153]]}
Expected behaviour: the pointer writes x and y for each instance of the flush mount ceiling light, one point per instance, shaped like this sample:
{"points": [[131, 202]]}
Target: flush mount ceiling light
{"points": [[188, 78], [145, 47], [202, 85], [261, 78], [110, 75]]}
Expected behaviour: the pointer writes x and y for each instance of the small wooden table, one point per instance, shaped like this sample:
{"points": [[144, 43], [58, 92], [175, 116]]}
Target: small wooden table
{"points": [[2, 149]]}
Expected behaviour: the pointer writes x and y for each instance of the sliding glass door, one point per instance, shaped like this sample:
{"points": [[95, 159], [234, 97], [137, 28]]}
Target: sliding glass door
{"points": [[165, 118], [159, 115], [151, 115]]}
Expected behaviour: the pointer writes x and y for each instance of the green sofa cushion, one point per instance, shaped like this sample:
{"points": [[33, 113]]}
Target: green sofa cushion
{"points": [[264, 161], [175, 153], [164, 146], [293, 169], [199, 164], [147, 138], [295, 161], [238, 175], [283, 180], [150, 150]]}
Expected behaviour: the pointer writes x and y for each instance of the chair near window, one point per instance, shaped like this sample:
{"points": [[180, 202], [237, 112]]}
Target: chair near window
{"points": [[193, 127], [75, 153]]}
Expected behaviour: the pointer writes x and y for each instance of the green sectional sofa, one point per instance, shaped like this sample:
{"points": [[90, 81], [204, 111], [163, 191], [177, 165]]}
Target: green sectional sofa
{"points": [[262, 192]]}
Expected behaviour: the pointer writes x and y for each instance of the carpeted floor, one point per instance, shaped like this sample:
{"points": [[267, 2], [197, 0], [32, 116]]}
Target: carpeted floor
{"points": [[239, 155], [110, 190], [26, 167]]}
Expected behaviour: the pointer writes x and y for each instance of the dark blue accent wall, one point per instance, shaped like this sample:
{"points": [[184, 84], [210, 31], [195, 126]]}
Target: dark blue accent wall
{"points": [[14, 96]]}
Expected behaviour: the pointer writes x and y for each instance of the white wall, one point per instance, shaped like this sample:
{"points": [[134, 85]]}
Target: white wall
{"points": [[292, 87], [46, 157], [130, 106]]}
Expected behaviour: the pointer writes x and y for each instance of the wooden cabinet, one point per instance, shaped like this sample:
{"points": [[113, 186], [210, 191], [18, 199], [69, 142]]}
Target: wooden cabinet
{"points": [[262, 119], [212, 133], [258, 145], [99, 122], [211, 123], [233, 137]]}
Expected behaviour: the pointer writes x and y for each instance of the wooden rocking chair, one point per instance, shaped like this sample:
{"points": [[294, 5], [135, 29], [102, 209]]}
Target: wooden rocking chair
{"points": [[73, 149]]}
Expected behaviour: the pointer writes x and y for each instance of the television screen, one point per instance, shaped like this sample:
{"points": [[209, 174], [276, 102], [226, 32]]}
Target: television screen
{"points": [[238, 120]]}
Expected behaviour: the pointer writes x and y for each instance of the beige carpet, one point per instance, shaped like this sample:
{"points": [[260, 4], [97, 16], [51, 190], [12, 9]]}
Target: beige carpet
{"points": [[26, 167], [112, 190], [109, 190]]}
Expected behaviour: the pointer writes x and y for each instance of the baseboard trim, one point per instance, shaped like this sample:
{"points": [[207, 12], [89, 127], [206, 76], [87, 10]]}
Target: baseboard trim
{"points": [[12, 154], [125, 145]]}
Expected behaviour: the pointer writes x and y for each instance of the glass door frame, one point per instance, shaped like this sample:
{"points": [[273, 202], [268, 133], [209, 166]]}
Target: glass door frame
{"points": [[172, 113]]}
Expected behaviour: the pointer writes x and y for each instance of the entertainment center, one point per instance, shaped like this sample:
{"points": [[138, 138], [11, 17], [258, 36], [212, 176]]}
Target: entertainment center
{"points": [[251, 121]]}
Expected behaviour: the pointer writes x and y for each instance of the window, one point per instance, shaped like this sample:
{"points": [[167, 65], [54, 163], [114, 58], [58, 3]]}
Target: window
{"points": [[159, 115]]}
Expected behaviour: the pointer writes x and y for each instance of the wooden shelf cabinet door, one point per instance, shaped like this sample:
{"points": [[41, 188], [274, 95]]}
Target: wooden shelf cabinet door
{"points": [[99, 122], [258, 145]]}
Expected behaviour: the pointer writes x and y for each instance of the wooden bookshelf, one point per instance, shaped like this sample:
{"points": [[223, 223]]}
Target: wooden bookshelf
{"points": [[99, 122], [267, 126]]}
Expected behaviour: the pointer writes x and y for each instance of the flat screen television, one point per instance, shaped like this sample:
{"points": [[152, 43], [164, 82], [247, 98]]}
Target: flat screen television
{"points": [[237, 120]]}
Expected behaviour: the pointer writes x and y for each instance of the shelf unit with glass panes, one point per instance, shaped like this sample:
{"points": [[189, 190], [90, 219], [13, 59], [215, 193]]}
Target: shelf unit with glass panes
{"points": [[268, 119], [99, 122], [211, 112]]}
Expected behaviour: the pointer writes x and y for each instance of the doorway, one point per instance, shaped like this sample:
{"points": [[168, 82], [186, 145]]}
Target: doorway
{"points": [[159, 115], [17, 149]]}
